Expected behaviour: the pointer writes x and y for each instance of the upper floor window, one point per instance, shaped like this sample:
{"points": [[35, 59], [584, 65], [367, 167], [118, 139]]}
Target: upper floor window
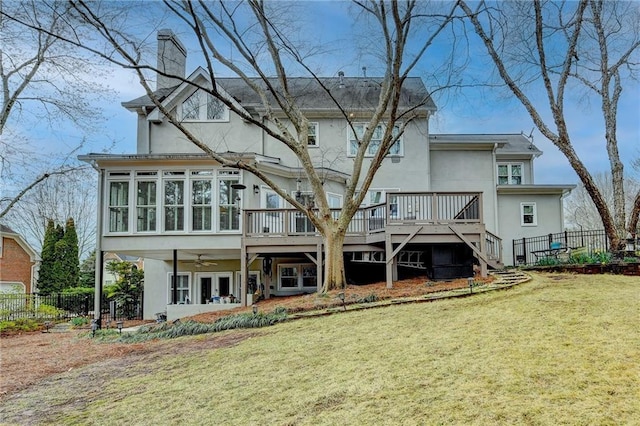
{"points": [[146, 206], [203, 106], [173, 205], [228, 204], [509, 174], [313, 136], [118, 206], [376, 140]]}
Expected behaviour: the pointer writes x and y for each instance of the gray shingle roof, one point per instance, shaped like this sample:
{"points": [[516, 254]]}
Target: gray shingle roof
{"points": [[350, 92]]}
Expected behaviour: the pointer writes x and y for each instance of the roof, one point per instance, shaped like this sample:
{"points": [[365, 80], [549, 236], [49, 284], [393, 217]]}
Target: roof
{"points": [[351, 93], [5, 231], [504, 143]]}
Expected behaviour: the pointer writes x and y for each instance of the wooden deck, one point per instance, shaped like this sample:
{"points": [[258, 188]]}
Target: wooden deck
{"points": [[404, 220]]}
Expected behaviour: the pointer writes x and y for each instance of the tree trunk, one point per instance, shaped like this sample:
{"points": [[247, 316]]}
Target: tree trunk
{"points": [[334, 274]]}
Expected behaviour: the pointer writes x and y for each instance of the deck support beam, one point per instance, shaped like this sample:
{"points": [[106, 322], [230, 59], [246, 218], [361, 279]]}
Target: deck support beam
{"points": [[478, 251]]}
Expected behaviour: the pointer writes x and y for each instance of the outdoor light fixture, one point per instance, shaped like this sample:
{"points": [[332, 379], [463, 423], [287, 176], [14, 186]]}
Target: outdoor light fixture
{"points": [[256, 189], [470, 280], [341, 297], [94, 327], [119, 324], [47, 325], [254, 308]]}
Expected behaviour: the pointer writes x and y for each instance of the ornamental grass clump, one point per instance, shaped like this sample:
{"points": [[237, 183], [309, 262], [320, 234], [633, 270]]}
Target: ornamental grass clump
{"points": [[170, 330]]}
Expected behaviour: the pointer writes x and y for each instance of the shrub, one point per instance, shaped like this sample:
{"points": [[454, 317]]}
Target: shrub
{"points": [[79, 321], [21, 324]]}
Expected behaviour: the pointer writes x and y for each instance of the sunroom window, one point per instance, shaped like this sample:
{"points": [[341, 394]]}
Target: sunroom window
{"points": [[146, 206], [228, 208], [118, 206], [201, 205], [174, 205]]}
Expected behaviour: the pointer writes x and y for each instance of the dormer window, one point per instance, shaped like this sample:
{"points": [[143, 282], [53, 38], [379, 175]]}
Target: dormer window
{"points": [[509, 174], [203, 106]]}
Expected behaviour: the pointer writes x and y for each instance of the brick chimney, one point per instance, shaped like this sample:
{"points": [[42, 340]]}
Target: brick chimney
{"points": [[172, 58]]}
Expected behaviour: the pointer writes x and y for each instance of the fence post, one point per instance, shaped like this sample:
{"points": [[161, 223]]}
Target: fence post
{"points": [[524, 250], [566, 239], [550, 239]]}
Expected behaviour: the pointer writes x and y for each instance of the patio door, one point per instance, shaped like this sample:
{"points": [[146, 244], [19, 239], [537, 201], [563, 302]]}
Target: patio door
{"points": [[214, 284]]}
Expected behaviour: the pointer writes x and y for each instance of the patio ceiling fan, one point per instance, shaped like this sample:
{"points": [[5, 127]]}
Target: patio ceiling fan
{"points": [[199, 262]]}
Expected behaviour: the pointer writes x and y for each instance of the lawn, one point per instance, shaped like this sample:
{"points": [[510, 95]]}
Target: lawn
{"points": [[561, 349]]}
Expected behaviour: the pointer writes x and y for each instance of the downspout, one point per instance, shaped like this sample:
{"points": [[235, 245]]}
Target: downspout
{"points": [[98, 275], [262, 137], [495, 185]]}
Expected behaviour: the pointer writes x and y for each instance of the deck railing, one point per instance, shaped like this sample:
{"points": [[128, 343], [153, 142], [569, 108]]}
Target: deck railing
{"points": [[400, 207]]}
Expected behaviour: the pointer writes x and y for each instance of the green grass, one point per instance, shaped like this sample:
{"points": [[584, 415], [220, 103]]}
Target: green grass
{"points": [[559, 350]]}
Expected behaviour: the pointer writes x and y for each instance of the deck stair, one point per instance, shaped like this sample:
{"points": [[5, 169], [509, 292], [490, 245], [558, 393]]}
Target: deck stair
{"points": [[508, 277]]}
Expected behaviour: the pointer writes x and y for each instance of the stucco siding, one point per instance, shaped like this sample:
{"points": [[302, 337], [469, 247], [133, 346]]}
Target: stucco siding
{"points": [[548, 219]]}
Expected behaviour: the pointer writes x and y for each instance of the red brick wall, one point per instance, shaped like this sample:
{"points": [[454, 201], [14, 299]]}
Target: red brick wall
{"points": [[15, 264]]}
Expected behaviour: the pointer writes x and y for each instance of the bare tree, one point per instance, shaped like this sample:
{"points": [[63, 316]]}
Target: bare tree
{"points": [[562, 48], [46, 85], [580, 212], [58, 198], [264, 56]]}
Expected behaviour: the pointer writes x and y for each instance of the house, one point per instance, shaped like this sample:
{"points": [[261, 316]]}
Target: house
{"points": [[18, 263], [440, 204], [109, 278]]}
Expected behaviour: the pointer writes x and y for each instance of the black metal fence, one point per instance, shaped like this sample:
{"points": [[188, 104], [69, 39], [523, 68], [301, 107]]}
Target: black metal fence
{"points": [[61, 306], [529, 251]]}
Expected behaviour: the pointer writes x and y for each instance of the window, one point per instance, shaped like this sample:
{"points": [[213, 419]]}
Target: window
{"points": [[288, 276], [204, 106], [528, 214], [334, 200], [183, 289], [118, 206], [228, 208], [173, 204], [509, 174], [313, 137], [376, 140], [377, 196], [201, 205], [297, 276], [146, 206]]}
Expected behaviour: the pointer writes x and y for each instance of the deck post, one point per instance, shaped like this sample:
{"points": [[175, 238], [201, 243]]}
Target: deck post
{"points": [[244, 274], [389, 260], [319, 267]]}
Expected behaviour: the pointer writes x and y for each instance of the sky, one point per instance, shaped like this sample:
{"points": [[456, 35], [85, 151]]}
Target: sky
{"points": [[473, 110]]}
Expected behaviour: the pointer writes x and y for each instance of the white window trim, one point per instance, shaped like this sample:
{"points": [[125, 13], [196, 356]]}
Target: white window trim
{"points": [[238, 283], [186, 205], [400, 141], [316, 125], [510, 173], [212, 205], [300, 276], [135, 202], [202, 110], [112, 178], [216, 201], [189, 286], [337, 196], [535, 214]]}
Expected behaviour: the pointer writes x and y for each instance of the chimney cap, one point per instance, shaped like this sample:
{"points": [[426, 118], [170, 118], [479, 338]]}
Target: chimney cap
{"points": [[167, 34]]}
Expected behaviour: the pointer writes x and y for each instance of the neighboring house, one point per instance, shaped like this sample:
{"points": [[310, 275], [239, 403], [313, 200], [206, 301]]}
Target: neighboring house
{"points": [[439, 204], [18, 263], [108, 278]]}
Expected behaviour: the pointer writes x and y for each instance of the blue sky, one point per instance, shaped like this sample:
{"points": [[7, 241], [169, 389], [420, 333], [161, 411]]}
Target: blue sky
{"points": [[475, 110]]}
